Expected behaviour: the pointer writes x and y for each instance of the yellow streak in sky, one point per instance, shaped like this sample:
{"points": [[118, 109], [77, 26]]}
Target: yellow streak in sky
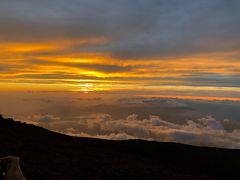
{"points": [[26, 47]]}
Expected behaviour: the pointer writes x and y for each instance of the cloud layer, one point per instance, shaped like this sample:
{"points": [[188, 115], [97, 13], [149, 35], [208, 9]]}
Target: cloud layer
{"points": [[121, 116], [204, 131], [135, 29]]}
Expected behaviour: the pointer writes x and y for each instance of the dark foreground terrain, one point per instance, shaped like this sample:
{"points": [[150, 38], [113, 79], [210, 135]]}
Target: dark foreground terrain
{"points": [[48, 155]]}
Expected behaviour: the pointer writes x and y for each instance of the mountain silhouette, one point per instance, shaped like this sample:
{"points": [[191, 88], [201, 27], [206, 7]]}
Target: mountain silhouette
{"points": [[49, 155]]}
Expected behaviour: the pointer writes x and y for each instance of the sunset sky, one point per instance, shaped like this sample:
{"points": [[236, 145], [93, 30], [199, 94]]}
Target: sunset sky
{"points": [[185, 49], [103, 45]]}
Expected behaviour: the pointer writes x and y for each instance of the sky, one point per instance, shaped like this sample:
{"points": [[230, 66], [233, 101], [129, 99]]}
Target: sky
{"points": [[102, 45], [108, 50]]}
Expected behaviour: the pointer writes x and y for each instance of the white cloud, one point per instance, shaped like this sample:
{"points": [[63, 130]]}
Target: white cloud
{"points": [[174, 103], [204, 131], [45, 118], [132, 117]]}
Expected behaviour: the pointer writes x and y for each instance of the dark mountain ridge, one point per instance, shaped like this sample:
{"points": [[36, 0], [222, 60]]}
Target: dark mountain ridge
{"points": [[49, 155]]}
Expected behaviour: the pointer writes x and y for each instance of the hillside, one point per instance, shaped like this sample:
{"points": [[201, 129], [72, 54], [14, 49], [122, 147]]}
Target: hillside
{"points": [[49, 155]]}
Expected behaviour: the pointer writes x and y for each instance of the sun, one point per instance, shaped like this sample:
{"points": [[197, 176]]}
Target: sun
{"points": [[86, 87]]}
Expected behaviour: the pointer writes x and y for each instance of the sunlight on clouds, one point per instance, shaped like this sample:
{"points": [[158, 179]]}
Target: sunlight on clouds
{"points": [[33, 87], [27, 47], [64, 66]]}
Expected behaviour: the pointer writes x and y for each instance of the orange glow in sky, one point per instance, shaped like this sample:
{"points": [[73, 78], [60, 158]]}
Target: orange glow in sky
{"points": [[38, 66]]}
